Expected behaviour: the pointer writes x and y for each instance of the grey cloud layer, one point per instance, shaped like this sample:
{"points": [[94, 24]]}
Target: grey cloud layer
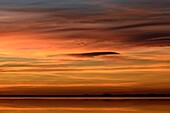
{"points": [[128, 22]]}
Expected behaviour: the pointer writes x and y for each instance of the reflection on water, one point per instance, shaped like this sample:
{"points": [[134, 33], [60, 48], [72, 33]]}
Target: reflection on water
{"points": [[84, 105]]}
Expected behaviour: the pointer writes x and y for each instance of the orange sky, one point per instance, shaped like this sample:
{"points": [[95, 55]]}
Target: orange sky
{"points": [[67, 49]]}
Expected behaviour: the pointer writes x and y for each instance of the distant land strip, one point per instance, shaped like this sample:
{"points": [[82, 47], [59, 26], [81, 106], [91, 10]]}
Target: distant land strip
{"points": [[88, 95]]}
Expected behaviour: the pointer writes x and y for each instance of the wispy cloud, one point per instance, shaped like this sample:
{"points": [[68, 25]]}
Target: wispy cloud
{"points": [[76, 40], [93, 54]]}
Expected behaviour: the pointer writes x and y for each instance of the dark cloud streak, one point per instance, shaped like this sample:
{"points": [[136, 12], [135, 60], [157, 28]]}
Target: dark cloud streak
{"points": [[93, 54]]}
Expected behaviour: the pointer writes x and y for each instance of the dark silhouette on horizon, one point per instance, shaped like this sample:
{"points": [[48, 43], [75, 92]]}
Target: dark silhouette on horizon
{"points": [[90, 95]]}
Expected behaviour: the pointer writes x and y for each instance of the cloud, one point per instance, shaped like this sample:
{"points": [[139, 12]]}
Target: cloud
{"points": [[142, 25], [107, 21], [93, 54], [121, 27], [44, 39], [18, 59]]}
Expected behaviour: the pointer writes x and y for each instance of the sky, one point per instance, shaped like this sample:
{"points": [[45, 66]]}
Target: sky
{"points": [[75, 47]]}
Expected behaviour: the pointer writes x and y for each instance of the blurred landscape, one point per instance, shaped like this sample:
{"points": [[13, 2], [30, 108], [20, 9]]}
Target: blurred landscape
{"points": [[84, 56]]}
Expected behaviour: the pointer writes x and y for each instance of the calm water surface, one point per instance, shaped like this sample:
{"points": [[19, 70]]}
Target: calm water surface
{"points": [[84, 105]]}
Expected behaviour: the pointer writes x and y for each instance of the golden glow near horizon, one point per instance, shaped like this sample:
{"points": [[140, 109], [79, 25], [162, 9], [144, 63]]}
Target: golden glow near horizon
{"points": [[113, 48]]}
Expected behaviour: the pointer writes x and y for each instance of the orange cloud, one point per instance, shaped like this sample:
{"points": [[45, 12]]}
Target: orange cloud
{"points": [[72, 43]]}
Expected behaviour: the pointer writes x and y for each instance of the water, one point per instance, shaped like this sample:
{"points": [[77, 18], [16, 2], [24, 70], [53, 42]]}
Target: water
{"points": [[85, 105]]}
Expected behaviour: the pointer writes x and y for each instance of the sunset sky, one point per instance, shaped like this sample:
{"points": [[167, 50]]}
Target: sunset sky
{"points": [[84, 46]]}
